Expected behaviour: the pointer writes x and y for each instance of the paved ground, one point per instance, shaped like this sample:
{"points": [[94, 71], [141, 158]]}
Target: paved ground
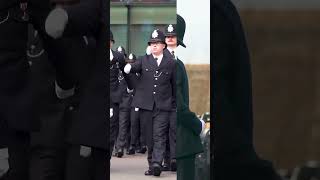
{"points": [[133, 168], [126, 168], [3, 161]]}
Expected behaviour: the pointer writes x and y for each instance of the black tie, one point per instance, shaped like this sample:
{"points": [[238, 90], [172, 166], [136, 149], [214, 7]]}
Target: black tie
{"points": [[173, 55], [156, 60]]}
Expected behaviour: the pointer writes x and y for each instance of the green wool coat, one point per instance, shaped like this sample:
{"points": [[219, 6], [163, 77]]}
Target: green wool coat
{"points": [[189, 127]]}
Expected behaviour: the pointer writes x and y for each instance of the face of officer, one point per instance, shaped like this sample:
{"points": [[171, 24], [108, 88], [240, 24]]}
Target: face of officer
{"points": [[111, 44], [171, 41], [157, 48]]}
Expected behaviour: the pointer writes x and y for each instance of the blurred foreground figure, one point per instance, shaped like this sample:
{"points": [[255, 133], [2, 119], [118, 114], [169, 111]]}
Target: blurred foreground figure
{"points": [[88, 134], [234, 154]]}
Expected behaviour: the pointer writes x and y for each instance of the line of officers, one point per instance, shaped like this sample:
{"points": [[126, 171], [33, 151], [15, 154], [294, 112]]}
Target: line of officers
{"points": [[143, 117]]}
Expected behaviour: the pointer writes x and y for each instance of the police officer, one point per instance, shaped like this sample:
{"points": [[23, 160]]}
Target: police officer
{"points": [[46, 146], [172, 44], [124, 112], [117, 63], [18, 106], [137, 130], [89, 134], [154, 96]]}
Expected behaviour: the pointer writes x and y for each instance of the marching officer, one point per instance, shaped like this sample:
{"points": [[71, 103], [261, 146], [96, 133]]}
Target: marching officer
{"points": [[153, 96], [117, 62], [19, 101], [137, 130], [124, 112], [47, 145], [172, 43], [89, 133]]}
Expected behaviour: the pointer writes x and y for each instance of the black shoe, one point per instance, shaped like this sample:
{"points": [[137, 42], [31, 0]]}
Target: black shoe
{"points": [[142, 150], [173, 165], [148, 172], [165, 167], [5, 176], [120, 153], [131, 151], [156, 169]]}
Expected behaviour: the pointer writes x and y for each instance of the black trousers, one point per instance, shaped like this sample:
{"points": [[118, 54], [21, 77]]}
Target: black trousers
{"points": [[124, 129], [138, 132], [114, 126], [48, 146], [171, 140], [93, 167], [18, 150], [157, 123], [47, 163]]}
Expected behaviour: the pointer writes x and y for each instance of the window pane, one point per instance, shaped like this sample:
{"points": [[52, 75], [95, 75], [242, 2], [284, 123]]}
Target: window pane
{"points": [[140, 35], [120, 36]]}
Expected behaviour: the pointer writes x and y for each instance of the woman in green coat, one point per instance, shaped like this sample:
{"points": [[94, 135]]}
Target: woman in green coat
{"points": [[189, 127]]}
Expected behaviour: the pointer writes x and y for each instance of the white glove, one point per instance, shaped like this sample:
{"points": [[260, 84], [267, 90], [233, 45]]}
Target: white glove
{"points": [[127, 68], [203, 124], [56, 22], [85, 151], [129, 91], [62, 93], [111, 112], [148, 50]]}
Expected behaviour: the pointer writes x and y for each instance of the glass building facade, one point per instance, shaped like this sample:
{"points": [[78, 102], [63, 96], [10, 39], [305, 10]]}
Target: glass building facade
{"points": [[132, 21]]}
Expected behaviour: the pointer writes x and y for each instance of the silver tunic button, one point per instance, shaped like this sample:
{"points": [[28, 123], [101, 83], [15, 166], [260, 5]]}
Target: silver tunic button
{"points": [[156, 78], [154, 92], [155, 85]]}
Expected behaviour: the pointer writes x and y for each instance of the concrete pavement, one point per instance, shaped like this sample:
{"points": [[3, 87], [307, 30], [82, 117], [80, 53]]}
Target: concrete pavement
{"points": [[126, 168], [133, 168], [3, 161]]}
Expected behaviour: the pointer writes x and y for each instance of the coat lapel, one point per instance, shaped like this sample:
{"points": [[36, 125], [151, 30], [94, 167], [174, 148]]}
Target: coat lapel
{"points": [[152, 61], [164, 60]]}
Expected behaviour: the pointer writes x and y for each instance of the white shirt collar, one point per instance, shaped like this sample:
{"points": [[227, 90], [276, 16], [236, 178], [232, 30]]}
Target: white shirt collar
{"points": [[170, 50], [175, 52], [159, 58]]}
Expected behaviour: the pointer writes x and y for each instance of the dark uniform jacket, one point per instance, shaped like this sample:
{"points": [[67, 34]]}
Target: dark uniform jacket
{"points": [[89, 17], [116, 65], [18, 105], [157, 84]]}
